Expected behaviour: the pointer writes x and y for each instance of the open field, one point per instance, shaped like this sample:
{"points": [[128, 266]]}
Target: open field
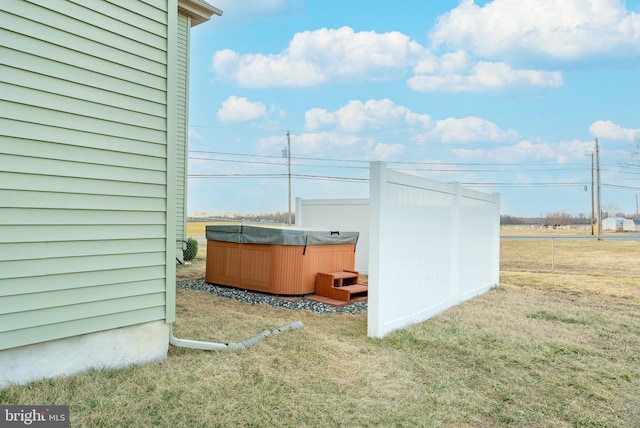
{"points": [[547, 348], [198, 228]]}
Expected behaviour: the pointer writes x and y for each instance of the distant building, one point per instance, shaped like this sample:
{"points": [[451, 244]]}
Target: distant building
{"points": [[631, 225], [613, 223]]}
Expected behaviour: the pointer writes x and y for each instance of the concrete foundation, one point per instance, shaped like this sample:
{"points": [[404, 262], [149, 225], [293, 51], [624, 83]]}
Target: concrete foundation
{"points": [[107, 349]]}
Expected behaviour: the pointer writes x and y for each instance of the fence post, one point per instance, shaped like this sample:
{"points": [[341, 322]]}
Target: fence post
{"points": [[496, 237], [454, 287], [553, 261], [299, 214], [377, 184]]}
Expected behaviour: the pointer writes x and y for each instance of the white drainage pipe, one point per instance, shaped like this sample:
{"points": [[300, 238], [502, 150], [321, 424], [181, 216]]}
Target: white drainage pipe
{"points": [[212, 346]]}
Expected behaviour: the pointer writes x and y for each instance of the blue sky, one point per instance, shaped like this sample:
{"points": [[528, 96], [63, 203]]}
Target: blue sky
{"points": [[505, 96]]}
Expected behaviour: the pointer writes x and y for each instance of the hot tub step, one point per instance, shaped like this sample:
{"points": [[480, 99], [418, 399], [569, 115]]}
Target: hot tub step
{"points": [[343, 286]]}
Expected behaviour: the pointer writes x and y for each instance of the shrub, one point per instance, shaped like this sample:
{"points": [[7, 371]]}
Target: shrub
{"points": [[191, 251]]}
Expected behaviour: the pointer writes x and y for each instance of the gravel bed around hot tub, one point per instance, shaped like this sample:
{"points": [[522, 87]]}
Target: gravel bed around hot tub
{"points": [[266, 299]]}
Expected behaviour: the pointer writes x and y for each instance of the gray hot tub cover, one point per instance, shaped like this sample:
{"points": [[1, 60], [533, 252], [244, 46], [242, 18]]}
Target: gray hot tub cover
{"points": [[244, 234]]}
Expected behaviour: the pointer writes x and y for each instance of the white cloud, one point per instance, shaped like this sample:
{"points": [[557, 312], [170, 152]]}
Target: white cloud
{"points": [[323, 142], [318, 143], [487, 46], [315, 57], [262, 71], [376, 115], [386, 151], [466, 130], [609, 130], [482, 77], [318, 57], [237, 109], [565, 29], [523, 151], [448, 63], [358, 116]]}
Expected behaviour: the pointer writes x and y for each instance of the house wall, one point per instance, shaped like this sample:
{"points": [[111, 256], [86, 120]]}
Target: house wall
{"points": [[87, 209], [182, 107]]}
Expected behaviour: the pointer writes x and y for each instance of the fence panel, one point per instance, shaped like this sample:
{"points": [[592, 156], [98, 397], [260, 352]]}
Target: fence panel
{"points": [[426, 245], [349, 215], [432, 245]]}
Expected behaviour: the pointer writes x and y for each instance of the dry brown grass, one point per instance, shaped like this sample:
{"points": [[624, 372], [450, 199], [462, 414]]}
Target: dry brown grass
{"points": [[193, 269], [544, 349], [609, 269]]}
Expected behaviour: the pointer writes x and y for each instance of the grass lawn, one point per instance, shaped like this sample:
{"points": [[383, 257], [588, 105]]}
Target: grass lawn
{"points": [[547, 348]]}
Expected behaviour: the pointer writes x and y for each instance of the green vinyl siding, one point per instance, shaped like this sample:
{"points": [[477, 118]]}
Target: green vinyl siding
{"points": [[38, 284], [47, 166], [48, 215], [16, 199], [170, 264], [87, 156], [151, 9], [53, 265], [81, 34], [26, 36], [97, 14], [77, 107], [182, 113], [78, 326], [101, 126], [69, 249], [89, 307], [23, 303], [30, 148], [48, 131]]}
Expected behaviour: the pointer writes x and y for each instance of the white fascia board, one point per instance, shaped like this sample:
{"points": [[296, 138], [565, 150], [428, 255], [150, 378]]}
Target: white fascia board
{"points": [[199, 10]]}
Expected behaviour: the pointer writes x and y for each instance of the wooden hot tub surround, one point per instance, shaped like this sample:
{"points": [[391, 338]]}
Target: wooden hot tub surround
{"points": [[281, 261]]}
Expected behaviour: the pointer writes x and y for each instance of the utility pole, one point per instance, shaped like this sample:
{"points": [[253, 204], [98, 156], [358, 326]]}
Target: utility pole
{"points": [[287, 154], [592, 208], [599, 190]]}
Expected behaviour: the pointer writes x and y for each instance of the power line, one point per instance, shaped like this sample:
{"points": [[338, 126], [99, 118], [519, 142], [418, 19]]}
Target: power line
{"points": [[510, 171], [366, 180], [237, 175], [442, 167], [234, 154], [498, 184], [531, 168], [619, 186], [301, 176], [277, 163]]}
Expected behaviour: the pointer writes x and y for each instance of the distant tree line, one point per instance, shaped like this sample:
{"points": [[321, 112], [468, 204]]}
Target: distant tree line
{"points": [[561, 218], [277, 217]]}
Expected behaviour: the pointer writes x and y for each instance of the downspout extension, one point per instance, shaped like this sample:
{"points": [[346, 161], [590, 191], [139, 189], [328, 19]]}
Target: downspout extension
{"points": [[212, 346]]}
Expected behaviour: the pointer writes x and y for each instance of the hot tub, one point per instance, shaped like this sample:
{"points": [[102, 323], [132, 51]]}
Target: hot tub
{"points": [[277, 260]]}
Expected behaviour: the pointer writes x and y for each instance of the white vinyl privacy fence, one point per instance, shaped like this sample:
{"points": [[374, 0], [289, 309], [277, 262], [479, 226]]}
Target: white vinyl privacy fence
{"points": [[349, 215], [430, 244]]}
